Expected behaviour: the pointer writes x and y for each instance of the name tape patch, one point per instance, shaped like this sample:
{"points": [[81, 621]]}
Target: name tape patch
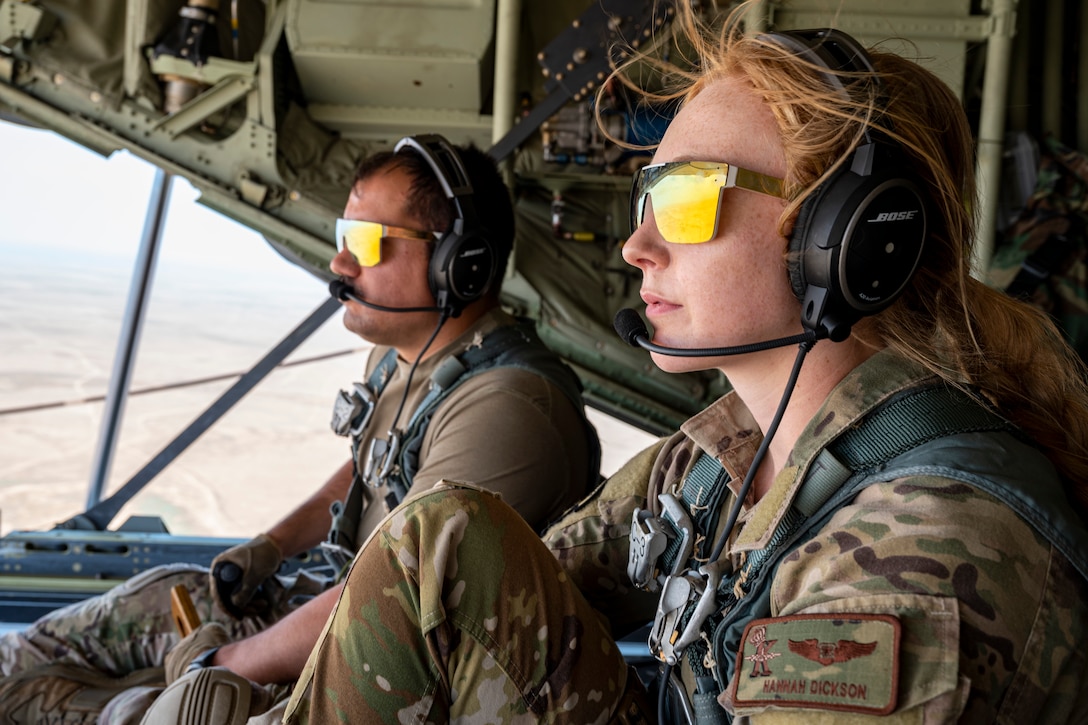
{"points": [[844, 662]]}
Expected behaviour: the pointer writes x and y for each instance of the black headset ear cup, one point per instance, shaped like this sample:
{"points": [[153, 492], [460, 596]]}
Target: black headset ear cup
{"points": [[798, 241], [856, 243], [462, 269], [858, 237]]}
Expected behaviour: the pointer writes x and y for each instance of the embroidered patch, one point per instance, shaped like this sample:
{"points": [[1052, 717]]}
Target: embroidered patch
{"points": [[845, 662]]}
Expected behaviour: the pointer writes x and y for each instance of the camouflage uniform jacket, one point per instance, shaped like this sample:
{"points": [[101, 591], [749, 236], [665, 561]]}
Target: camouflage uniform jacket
{"points": [[922, 599]]}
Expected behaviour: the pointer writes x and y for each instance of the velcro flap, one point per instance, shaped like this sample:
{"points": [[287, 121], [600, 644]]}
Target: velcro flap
{"points": [[841, 662]]}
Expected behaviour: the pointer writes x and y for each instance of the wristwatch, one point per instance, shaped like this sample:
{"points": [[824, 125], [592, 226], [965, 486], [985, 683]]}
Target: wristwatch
{"points": [[202, 660]]}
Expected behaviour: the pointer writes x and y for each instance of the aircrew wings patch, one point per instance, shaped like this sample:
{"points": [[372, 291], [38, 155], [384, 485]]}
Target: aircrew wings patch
{"points": [[844, 662]]}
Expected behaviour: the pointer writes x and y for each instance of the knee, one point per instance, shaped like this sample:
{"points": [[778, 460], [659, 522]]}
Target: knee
{"points": [[163, 577], [447, 490]]}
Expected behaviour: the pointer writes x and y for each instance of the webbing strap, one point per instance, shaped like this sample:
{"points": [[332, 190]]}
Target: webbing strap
{"points": [[506, 346], [701, 486], [701, 481], [498, 343], [910, 419], [516, 346], [904, 422]]}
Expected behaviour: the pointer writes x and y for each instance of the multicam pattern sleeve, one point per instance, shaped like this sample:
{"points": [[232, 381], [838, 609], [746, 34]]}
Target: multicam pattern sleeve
{"points": [[994, 619], [591, 542]]}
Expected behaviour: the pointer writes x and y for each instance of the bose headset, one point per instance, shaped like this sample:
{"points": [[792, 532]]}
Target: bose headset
{"points": [[859, 236], [462, 267]]}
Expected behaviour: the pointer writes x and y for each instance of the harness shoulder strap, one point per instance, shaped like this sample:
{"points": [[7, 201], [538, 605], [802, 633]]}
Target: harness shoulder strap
{"points": [[345, 514], [979, 448], [515, 346]]}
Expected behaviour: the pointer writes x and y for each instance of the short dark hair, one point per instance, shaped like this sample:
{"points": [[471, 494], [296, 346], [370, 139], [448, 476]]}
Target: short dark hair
{"points": [[428, 200]]}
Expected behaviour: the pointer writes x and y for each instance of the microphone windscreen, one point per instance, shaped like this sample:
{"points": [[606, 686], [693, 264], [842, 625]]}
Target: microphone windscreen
{"points": [[629, 326], [338, 290]]}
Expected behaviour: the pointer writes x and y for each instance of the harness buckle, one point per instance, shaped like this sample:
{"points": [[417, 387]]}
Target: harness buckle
{"points": [[336, 555], [333, 547], [380, 459], [351, 412], [674, 513], [650, 538], [648, 542], [679, 594]]}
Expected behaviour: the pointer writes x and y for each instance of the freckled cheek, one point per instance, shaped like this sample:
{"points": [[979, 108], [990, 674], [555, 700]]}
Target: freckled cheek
{"points": [[739, 290], [761, 264]]}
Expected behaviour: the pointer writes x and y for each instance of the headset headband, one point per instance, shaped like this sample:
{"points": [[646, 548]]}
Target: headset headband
{"points": [[447, 166]]}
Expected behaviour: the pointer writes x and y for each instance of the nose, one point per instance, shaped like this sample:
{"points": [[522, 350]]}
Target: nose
{"points": [[345, 264], [645, 247]]}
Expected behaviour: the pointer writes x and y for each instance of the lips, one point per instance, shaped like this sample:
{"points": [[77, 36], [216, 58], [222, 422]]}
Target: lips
{"points": [[657, 305]]}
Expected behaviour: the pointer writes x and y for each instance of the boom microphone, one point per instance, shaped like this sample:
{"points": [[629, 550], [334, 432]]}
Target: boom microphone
{"points": [[632, 329], [342, 291]]}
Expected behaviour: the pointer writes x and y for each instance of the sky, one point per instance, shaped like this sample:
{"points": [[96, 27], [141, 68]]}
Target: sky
{"points": [[100, 203]]}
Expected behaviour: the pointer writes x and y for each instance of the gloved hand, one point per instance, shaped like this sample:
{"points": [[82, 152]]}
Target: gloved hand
{"points": [[205, 637], [240, 577]]}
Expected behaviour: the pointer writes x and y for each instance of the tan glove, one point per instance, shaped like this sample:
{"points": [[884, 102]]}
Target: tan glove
{"points": [[240, 577], [205, 637]]}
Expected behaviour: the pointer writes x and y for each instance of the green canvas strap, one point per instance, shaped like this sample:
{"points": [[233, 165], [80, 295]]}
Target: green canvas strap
{"points": [[902, 423], [703, 491]]}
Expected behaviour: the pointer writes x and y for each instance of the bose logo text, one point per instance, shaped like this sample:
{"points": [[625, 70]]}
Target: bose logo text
{"points": [[894, 216]]}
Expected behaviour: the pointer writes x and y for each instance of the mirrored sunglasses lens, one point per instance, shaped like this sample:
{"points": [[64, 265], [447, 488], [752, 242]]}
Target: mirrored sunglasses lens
{"points": [[686, 207], [362, 239]]}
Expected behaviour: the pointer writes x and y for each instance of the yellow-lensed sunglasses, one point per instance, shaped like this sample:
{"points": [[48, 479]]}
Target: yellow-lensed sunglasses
{"points": [[687, 196], [364, 239]]}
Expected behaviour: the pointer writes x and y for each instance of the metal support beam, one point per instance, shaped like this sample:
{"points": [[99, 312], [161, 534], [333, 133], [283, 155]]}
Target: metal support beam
{"points": [[125, 359], [991, 132], [507, 25]]}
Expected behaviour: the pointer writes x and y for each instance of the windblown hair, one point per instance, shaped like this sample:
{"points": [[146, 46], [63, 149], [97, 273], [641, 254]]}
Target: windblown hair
{"points": [[971, 335]]}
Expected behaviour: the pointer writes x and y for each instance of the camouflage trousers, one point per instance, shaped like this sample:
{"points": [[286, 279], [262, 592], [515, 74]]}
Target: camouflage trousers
{"points": [[454, 610], [123, 631]]}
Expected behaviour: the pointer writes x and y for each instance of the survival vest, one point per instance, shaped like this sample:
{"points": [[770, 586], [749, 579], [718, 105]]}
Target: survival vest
{"points": [[395, 462], [926, 431]]}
